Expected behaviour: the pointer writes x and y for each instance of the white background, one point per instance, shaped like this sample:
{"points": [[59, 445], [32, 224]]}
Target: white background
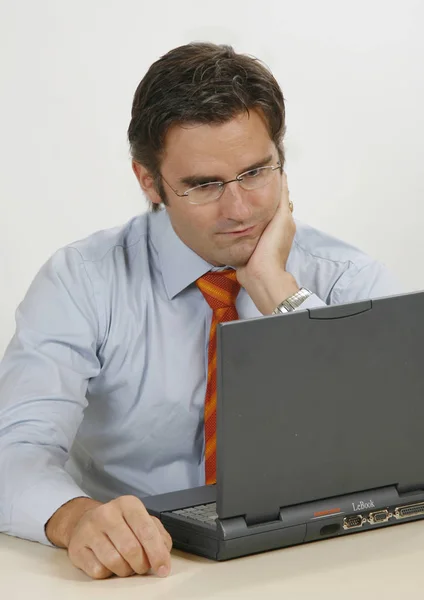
{"points": [[352, 73]]}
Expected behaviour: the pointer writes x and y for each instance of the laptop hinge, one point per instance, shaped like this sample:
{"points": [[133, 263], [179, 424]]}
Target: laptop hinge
{"points": [[236, 527], [260, 518]]}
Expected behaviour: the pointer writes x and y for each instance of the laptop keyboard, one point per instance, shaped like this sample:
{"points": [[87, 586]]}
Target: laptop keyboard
{"points": [[206, 513]]}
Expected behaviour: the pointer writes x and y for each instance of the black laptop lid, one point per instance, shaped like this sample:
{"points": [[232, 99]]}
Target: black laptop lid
{"points": [[319, 403]]}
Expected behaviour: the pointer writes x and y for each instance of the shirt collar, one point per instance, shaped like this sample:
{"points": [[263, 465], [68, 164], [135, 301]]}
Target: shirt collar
{"points": [[179, 264]]}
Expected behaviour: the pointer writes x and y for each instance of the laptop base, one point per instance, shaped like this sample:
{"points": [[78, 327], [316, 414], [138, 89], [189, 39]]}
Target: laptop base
{"points": [[312, 521]]}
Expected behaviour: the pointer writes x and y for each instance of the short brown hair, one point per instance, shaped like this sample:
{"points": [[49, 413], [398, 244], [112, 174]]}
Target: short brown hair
{"points": [[200, 83]]}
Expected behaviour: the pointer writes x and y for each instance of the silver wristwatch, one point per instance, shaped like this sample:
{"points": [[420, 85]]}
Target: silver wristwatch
{"points": [[290, 304]]}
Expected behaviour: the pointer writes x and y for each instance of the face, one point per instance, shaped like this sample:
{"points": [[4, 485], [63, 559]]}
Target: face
{"points": [[226, 231]]}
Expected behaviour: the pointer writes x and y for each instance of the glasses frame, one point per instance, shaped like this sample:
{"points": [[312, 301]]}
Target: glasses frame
{"points": [[222, 184]]}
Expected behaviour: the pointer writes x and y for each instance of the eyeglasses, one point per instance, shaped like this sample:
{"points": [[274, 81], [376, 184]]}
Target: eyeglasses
{"points": [[213, 190]]}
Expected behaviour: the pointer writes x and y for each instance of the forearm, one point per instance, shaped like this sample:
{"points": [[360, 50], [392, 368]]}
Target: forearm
{"points": [[268, 290], [35, 485]]}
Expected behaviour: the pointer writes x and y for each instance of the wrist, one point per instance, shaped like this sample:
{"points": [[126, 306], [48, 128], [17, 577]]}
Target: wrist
{"points": [[269, 288], [293, 302], [278, 290], [60, 526]]}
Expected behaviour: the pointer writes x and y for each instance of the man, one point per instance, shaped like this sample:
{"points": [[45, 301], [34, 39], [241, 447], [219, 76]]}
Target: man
{"points": [[107, 388]]}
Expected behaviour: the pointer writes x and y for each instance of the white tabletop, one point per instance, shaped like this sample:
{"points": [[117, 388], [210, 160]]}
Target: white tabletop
{"points": [[372, 565]]}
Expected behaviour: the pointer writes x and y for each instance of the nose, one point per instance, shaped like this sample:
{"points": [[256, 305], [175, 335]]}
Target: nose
{"points": [[234, 204]]}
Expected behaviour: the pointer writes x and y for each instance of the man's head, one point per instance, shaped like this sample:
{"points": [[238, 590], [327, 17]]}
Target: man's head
{"points": [[203, 113]]}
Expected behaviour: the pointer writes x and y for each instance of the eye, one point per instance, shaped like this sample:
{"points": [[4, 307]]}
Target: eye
{"points": [[253, 173], [206, 188]]}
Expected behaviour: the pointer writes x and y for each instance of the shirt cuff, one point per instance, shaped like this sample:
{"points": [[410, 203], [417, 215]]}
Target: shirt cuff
{"points": [[38, 504], [312, 302]]}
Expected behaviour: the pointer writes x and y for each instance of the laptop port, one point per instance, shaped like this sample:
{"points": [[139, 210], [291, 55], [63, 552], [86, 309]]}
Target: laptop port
{"points": [[379, 516], [353, 521], [411, 510], [330, 529]]}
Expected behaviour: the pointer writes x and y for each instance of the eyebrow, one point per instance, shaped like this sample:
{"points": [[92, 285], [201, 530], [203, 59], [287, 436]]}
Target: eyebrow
{"points": [[193, 180]]}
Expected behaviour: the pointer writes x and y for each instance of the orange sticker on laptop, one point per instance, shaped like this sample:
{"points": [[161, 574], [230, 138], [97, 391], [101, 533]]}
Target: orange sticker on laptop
{"points": [[331, 511]]}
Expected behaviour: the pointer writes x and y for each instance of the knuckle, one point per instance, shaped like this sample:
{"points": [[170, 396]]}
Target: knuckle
{"points": [[113, 560], [117, 564], [127, 501], [159, 557], [167, 539], [148, 531], [168, 544], [99, 572], [89, 530], [84, 558], [130, 549], [104, 512], [164, 534], [75, 553], [158, 524], [125, 571], [141, 566]]}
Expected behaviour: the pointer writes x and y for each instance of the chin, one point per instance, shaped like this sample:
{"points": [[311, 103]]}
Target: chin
{"points": [[236, 255], [239, 257]]}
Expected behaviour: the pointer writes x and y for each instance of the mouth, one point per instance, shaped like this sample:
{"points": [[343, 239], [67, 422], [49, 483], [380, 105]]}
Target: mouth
{"points": [[240, 232]]}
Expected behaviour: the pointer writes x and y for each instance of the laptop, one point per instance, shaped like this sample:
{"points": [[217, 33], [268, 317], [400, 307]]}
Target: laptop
{"points": [[320, 430]]}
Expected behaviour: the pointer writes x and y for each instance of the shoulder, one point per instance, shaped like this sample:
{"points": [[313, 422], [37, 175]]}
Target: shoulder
{"points": [[106, 254], [338, 271], [320, 247], [111, 258], [124, 238]]}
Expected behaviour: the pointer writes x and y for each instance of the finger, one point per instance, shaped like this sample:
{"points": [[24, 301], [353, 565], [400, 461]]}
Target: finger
{"points": [[285, 197], [285, 184], [165, 535], [86, 560], [148, 535], [109, 556], [128, 546]]}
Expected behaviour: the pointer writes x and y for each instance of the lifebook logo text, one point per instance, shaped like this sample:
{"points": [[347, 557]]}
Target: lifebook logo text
{"points": [[363, 505]]}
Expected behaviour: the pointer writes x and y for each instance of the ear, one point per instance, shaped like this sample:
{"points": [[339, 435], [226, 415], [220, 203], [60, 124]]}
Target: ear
{"points": [[146, 182]]}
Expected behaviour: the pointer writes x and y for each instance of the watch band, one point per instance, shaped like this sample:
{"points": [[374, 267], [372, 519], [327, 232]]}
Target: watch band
{"points": [[293, 302]]}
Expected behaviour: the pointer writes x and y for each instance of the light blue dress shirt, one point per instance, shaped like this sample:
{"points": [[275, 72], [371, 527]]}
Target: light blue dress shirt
{"points": [[102, 386]]}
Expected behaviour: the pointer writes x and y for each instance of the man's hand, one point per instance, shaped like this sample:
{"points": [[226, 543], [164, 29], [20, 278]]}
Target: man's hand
{"points": [[119, 537], [264, 276]]}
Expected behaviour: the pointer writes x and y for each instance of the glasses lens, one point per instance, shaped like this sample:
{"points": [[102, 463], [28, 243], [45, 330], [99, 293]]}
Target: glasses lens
{"points": [[256, 178], [204, 193]]}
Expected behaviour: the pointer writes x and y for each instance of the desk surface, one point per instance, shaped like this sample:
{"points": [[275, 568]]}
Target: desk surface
{"points": [[376, 564]]}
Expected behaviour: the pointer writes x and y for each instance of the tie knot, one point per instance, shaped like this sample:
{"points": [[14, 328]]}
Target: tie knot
{"points": [[220, 288]]}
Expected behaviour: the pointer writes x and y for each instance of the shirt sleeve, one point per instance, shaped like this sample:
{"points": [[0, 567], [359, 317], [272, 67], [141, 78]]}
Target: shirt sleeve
{"points": [[370, 282], [312, 302], [43, 382]]}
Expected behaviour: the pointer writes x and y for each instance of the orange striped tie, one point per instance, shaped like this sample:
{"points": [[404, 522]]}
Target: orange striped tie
{"points": [[220, 289]]}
